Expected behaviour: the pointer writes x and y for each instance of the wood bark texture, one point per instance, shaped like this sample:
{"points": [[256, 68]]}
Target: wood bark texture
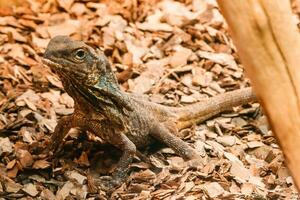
{"points": [[268, 43]]}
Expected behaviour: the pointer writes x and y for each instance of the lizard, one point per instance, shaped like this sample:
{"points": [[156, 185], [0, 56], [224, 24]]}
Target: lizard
{"points": [[122, 119]]}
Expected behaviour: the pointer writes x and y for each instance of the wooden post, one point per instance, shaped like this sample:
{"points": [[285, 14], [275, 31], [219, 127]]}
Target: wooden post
{"points": [[268, 44]]}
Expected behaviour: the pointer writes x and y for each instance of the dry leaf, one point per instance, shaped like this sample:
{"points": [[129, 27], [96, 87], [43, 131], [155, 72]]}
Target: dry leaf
{"points": [[180, 57], [66, 28], [11, 164], [47, 194], [6, 146], [247, 188], [152, 73], [11, 186], [239, 172], [66, 4], [153, 23], [25, 158], [78, 177], [83, 160], [220, 58], [13, 172], [41, 164], [214, 189], [65, 190], [30, 189], [227, 140]]}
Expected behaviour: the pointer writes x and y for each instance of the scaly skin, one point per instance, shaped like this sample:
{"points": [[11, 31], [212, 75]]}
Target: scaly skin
{"points": [[119, 118]]}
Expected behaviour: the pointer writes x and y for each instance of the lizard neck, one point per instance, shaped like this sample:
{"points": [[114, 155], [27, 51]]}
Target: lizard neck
{"points": [[105, 97], [79, 100]]}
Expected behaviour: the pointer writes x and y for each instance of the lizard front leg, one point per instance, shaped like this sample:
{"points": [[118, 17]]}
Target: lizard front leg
{"points": [[129, 150], [61, 130], [120, 141]]}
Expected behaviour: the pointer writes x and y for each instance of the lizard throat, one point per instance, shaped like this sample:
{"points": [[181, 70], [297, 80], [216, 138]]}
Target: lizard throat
{"points": [[110, 103]]}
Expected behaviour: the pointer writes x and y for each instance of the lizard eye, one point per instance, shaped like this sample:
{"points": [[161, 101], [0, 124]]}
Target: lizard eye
{"points": [[80, 54]]}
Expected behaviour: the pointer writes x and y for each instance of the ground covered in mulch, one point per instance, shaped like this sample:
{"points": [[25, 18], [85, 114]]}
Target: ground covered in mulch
{"points": [[175, 53]]}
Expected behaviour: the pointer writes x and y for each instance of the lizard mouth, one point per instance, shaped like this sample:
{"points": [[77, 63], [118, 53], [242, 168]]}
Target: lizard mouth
{"points": [[51, 63]]}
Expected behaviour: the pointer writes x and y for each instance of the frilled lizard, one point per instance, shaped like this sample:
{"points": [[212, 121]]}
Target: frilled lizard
{"points": [[124, 120]]}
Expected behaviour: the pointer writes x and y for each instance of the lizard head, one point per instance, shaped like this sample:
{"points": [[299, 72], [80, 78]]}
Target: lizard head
{"points": [[75, 60], [88, 74]]}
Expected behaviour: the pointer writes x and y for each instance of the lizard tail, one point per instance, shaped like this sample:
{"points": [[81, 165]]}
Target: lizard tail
{"points": [[201, 111]]}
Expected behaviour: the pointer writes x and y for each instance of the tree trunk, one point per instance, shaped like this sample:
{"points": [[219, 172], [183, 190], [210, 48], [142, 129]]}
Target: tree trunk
{"points": [[268, 44]]}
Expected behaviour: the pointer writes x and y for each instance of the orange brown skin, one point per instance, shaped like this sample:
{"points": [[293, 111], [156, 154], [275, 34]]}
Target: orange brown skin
{"points": [[124, 120]]}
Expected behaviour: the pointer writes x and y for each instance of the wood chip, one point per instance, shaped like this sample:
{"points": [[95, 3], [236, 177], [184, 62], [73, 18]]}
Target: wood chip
{"points": [[30, 189], [78, 177], [227, 140], [214, 189], [5, 146]]}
